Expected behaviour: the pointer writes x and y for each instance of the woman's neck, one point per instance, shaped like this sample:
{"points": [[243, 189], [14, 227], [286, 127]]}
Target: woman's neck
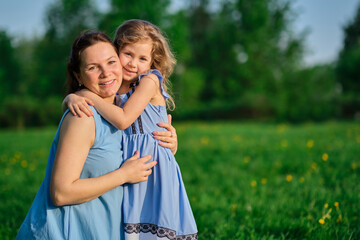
{"points": [[125, 87]]}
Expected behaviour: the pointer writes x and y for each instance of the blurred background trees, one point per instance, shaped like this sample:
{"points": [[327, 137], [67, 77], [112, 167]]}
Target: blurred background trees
{"points": [[237, 59]]}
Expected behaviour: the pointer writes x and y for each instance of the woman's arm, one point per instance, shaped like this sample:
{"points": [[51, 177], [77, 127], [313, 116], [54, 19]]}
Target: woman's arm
{"points": [[122, 118], [169, 138], [76, 137]]}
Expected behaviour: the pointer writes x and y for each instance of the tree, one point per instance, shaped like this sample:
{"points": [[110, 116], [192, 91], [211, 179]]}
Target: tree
{"points": [[154, 11], [347, 69], [65, 20], [9, 67], [243, 49]]}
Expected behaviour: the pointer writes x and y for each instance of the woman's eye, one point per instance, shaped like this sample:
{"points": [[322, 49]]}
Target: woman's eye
{"points": [[91, 68], [112, 62]]}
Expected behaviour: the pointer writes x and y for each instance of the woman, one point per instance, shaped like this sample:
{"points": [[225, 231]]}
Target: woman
{"points": [[81, 195]]}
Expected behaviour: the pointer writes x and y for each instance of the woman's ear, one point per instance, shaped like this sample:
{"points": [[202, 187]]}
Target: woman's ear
{"points": [[78, 78]]}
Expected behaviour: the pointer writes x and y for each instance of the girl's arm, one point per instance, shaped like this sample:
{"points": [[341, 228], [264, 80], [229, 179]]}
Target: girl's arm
{"points": [[77, 105], [76, 137], [122, 118]]}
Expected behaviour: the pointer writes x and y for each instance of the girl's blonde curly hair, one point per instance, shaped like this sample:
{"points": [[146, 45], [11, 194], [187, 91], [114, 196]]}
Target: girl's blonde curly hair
{"points": [[135, 30]]}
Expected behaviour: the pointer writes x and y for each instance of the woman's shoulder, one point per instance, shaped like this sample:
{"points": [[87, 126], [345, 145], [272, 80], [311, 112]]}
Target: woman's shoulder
{"points": [[81, 122]]}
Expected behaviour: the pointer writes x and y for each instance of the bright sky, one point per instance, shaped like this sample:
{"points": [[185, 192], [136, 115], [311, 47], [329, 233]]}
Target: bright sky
{"points": [[323, 18]]}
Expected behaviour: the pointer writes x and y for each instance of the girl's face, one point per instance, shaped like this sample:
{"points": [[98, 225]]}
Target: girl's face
{"points": [[100, 70], [135, 59]]}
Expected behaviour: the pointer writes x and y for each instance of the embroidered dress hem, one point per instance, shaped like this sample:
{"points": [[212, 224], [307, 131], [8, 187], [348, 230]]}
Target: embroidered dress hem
{"points": [[148, 231]]}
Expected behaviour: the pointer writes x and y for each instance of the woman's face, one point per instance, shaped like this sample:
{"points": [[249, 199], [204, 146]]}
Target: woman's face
{"points": [[100, 70], [135, 59]]}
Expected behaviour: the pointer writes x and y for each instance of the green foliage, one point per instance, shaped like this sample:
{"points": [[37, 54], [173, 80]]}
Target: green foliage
{"points": [[348, 72], [24, 111], [244, 181], [9, 67], [309, 94], [154, 11], [242, 49], [66, 19], [235, 58]]}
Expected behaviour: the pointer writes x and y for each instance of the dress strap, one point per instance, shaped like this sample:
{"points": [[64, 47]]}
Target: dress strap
{"points": [[133, 128]]}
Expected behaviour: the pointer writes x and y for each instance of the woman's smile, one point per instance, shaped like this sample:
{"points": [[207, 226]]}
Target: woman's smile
{"points": [[108, 83]]}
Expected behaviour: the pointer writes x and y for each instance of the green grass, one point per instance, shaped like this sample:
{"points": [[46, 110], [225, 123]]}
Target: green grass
{"points": [[244, 181]]}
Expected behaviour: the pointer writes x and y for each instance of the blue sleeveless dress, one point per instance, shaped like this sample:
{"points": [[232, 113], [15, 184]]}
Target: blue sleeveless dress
{"points": [[99, 218], [158, 208]]}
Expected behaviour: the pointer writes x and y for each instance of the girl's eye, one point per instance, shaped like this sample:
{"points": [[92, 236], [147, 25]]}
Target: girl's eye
{"points": [[91, 68], [143, 59]]}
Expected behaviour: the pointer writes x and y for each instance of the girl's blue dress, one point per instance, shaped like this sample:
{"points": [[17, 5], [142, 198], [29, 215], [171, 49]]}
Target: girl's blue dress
{"points": [[158, 208], [99, 218]]}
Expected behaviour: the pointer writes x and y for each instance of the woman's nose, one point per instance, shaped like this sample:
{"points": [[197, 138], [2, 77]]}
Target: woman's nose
{"points": [[105, 72]]}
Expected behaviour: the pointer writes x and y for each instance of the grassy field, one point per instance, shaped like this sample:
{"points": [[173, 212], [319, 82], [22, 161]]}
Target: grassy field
{"points": [[244, 181]]}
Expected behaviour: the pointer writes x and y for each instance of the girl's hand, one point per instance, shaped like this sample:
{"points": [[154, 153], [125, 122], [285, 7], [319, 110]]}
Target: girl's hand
{"points": [[136, 169], [78, 105], [169, 137]]}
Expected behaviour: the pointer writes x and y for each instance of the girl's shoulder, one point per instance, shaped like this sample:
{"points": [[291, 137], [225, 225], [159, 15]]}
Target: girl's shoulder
{"points": [[156, 76], [152, 73]]}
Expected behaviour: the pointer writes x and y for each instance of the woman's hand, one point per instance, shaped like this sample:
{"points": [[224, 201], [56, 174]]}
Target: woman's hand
{"points": [[169, 137], [78, 105], [136, 169]]}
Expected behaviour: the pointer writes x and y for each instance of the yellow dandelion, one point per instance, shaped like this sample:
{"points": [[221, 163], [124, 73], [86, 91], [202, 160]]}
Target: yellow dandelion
{"points": [[321, 221], [353, 166], [289, 177], [302, 179], [310, 143], [338, 220], [236, 138], [246, 159], [325, 157], [313, 166], [326, 205], [7, 171], [194, 199], [17, 155], [253, 183], [284, 143], [24, 163], [32, 167], [336, 204], [204, 140], [263, 180], [281, 128], [233, 207], [13, 161]]}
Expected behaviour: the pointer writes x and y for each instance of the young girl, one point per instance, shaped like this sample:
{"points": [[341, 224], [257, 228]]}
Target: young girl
{"points": [[158, 208]]}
